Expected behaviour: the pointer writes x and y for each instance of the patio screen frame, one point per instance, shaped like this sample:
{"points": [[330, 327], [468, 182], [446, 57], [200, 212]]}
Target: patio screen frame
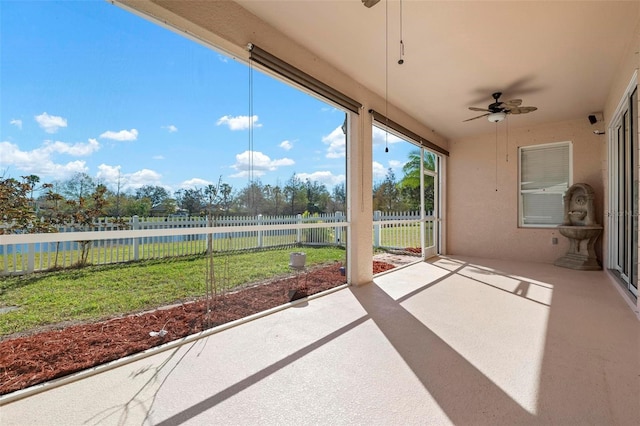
{"points": [[436, 217]]}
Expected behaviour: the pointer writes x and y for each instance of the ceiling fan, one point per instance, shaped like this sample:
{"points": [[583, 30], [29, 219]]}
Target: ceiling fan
{"points": [[497, 111]]}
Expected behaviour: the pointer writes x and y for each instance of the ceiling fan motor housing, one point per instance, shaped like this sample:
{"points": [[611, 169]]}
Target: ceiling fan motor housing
{"points": [[497, 110], [497, 105]]}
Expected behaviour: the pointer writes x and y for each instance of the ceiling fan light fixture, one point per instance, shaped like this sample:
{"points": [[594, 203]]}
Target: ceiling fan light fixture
{"points": [[496, 117]]}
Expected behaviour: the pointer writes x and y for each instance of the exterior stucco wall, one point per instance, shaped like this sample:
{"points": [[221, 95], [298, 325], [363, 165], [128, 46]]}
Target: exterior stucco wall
{"points": [[483, 199], [628, 65]]}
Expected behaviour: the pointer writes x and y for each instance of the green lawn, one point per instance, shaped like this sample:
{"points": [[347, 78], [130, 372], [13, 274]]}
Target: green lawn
{"points": [[97, 292], [405, 235]]}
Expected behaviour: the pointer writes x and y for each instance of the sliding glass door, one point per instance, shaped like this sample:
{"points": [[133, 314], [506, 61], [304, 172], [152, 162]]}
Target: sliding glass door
{"points": [[623, 206]]}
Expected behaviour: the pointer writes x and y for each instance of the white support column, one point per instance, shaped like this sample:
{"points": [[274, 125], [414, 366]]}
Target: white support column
{"points": [[360, 199]]}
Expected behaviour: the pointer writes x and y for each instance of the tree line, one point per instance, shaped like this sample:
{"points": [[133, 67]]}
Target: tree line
{"points": [[32, 206]]}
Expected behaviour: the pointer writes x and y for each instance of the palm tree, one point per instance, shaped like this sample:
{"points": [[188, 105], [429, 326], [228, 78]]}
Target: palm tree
{"points": [[410, 182]]}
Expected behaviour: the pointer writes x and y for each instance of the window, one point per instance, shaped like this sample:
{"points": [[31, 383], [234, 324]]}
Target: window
{"points": [[545, 175]]}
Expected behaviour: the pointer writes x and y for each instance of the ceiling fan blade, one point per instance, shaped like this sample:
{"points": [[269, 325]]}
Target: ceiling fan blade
{"points": [[474, 118], [478, 109], [522, 110], [513, 103]]}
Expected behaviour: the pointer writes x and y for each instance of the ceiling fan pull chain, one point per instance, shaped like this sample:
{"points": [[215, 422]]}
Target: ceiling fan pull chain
{"points": [[507, 155], [496, 156], [401, 60]]}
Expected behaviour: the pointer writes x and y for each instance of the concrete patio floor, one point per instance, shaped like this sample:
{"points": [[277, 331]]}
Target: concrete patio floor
{"points": [[450, 341]]}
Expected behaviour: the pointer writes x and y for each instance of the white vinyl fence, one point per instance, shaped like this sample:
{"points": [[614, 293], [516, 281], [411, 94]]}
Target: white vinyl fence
{"points": [[403, 230], [154, 238]]}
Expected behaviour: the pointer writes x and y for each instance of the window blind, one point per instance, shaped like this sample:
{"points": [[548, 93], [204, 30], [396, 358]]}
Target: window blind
{"points": [[545, 175], [292, 73], [385, 121]]}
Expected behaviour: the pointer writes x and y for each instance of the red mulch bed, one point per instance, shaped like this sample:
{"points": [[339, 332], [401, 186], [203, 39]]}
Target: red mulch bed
{"points": [[414, 250], [29, 360]]}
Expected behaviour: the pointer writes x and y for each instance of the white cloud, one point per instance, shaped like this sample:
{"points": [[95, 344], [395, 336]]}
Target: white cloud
{"points": [[379, 171], [395, 164], [240, 122], [158, 157], [286, 145], [39, 161], [379, 137], [170, 128], [112, 174], [77, 150], [16, 122], [260, 164], [336, 141], [325, 177], [122, 135], [195, 183], [50, 123], [144, 177]]}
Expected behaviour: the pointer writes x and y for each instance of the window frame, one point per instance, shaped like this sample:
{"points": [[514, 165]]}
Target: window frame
{"points": [[521, 192]]}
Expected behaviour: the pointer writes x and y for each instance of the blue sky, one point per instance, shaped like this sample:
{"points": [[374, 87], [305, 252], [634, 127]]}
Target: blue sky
{"points": [[86, 86]]}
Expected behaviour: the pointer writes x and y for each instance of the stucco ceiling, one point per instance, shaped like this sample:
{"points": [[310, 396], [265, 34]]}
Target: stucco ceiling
{"points": [[558, 56]]}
